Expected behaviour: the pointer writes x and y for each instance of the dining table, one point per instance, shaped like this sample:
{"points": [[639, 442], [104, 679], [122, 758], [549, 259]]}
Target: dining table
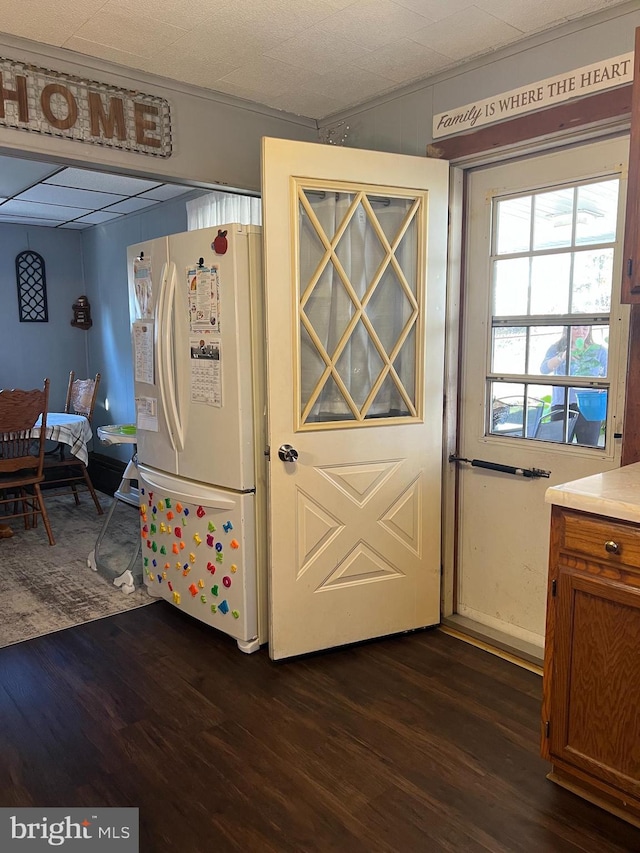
{"points": [[73, 430]]}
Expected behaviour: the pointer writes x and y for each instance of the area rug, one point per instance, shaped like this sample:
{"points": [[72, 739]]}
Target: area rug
{"points": [[45, 588]]}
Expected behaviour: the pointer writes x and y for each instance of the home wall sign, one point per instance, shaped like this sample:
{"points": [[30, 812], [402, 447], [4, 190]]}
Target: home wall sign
{"points": [[39, 100], [606, 74]]}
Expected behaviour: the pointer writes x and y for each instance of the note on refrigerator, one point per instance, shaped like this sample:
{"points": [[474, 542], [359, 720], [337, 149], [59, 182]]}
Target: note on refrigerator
{"points": [[143, 350]]}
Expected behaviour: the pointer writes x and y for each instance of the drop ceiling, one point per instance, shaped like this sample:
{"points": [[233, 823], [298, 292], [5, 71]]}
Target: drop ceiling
{"points": [[312, 58], [35, 193]]}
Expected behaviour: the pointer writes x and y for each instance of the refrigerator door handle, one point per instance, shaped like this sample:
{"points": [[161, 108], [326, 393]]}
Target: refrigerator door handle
{"points": [[160, 483], [166, 356]]}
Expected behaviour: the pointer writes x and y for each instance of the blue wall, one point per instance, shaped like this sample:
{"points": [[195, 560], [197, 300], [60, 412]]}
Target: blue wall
{"points": [[29, 352], [104, 249]]}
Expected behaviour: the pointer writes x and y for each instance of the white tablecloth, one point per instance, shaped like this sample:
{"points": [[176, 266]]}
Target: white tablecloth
{"points": [[73, 430]]}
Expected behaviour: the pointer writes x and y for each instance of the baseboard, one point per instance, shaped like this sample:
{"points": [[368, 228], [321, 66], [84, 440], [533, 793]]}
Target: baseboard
{"points": [[513, 647]]}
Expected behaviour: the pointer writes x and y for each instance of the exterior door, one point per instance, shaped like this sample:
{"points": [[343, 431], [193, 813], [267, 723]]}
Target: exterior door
{"points": [[544, 358], [355, 253]]}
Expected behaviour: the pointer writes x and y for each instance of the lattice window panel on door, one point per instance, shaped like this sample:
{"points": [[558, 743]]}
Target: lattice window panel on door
{"points": [[32, 288], [360, 295]]}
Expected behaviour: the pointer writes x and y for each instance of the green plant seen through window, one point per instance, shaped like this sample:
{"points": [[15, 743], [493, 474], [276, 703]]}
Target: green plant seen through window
{"points": [[585, 360]]}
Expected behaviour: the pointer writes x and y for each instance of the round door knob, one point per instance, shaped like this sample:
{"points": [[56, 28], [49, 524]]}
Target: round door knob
{"points": [[287, 453], [612, 547]]}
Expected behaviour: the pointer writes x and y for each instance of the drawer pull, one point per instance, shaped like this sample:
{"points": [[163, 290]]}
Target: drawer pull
{"points": [[612, 547]]}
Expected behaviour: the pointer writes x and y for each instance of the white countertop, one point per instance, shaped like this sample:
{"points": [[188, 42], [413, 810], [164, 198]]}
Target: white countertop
{"points": [[615, 494]]}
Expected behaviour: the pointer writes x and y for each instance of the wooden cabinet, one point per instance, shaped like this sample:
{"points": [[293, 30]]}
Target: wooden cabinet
{"points": [[631, 268], [591, 704]]}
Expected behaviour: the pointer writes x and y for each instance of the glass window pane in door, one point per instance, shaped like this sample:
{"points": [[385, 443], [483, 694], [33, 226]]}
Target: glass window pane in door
{"points": [[366, 276]]}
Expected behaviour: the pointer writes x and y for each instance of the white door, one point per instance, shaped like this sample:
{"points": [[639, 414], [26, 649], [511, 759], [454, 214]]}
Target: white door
{"points": [[355, 252], [545, 343]]}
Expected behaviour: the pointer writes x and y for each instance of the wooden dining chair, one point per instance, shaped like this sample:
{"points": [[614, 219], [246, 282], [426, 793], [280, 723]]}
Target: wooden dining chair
{"points": [[22, 456], [82, 395], [62, 469]]}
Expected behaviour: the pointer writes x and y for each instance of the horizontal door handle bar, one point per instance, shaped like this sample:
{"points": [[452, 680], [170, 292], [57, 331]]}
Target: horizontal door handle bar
{"points": [[497, 466]]}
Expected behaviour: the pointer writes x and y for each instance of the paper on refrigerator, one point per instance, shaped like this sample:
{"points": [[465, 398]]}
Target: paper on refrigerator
{"points": [[203, 284], [206, 372]]}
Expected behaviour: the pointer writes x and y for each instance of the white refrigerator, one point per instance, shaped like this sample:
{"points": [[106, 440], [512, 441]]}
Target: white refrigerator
{"points": [[195, 303]]}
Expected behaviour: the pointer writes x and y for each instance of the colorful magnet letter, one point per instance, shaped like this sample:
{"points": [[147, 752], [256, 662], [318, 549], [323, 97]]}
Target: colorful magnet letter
{"points": [[186, 510], [145, 562], [210, 540], [167, 502], [214, 607], [143, 509], [211, 527], [178, 507], [227, 526], [154, 563], [218, 546], [219, 557], [234, 543], [163, 549], [170, 585], [192, 557], [234, 568], [223, 606], [182, 546], [163, 527], [169, 516], [203, 599], [154, 547], [235, 614], [211, 568], [178, 532], [176, 598], [200, 512], [214, 589], [196, 538], [175, 548], [150, 496], [201, 583], [226, 580], [160, 506], [193, 589], [153, 528]]}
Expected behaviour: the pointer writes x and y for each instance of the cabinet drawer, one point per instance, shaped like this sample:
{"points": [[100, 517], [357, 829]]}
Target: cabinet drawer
{"points": [[602, 539]]}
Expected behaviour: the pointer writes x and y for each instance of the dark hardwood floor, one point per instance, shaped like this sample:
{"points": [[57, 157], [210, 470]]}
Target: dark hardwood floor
{"points": [[414, 743]]}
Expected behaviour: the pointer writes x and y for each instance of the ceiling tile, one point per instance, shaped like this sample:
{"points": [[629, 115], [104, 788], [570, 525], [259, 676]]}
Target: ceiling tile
{"points": [[50, 23], [41, 211], [130, 205], [52, 194], [460, 35], [265, 76], [349, 82], [531, 17], [403, 61], [373, 23], [97, 217], [84, 179], [128, 32], [436, 10], [166, 191], [18, 175], [315, 50], [26, 220]]}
